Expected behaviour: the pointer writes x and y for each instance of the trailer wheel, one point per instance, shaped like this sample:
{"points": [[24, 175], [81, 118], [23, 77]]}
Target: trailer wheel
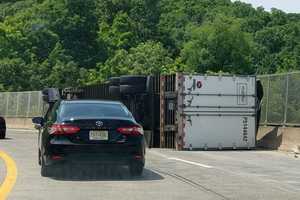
{"points": [[133, 80], [132, 89], [114, 91], [114, 81]]}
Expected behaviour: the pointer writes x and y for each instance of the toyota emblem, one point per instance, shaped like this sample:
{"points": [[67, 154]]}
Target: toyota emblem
{"points": [[99, 123]]}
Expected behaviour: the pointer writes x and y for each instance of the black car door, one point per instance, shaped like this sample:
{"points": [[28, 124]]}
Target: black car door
{"points": [[49, 119]]}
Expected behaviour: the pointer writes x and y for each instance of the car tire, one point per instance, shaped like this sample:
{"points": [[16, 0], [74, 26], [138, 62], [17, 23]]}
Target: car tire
{"points": [[133, 80], [132, 89], [39, 158], [136, 169], [114, 81], [46, 171], [2, 128], [114, 91], [2, 134]]}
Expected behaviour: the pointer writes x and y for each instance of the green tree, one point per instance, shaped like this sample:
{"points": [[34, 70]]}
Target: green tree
{"points": [[12, 73], [281, 47], [76, 24], [120, 35], [146, 58], [218, 46], [64, 71], [74, 42]]}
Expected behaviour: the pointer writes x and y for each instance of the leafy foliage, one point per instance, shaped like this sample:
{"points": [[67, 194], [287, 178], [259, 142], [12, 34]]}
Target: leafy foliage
{"points": [[63, 43], [212, 47]]}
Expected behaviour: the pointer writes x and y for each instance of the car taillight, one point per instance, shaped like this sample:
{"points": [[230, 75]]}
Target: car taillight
{"points": [[131, 130], [63, 129]]}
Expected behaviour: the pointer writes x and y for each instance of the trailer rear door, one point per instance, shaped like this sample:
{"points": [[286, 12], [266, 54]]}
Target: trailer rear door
{"points": [[218, 112]]}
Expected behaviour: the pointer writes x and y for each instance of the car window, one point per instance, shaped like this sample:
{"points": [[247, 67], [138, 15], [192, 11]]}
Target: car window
{"points": [[45, 108], [68, 111], [52, 112], [127, 111]]}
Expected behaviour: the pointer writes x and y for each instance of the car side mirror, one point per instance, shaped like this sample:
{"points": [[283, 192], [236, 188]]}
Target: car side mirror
{"points": [[38, 122]]}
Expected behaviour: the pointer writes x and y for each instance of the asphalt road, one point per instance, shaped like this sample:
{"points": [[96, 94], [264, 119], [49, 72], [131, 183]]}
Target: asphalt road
{"points": [[209, 175]]}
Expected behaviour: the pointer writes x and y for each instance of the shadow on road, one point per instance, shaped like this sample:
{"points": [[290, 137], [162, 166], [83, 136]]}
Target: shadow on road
{"points": [[7, 138], [103, 174], [271, 140]]}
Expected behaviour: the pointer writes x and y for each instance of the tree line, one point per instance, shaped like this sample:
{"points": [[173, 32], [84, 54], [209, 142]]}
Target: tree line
{"points": [[61, 43]]}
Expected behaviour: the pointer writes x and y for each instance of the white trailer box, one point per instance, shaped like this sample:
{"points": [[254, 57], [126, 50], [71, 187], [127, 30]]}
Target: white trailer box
{"points": [[217, 112]]}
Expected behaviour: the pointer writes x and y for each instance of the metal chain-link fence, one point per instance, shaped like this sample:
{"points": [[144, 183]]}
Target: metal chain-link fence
{"points": [[281, 101], [21, 104]]}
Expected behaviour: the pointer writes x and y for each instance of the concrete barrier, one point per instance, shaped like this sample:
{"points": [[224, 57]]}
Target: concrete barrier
{"points": [[19, 123], [279, 138]]}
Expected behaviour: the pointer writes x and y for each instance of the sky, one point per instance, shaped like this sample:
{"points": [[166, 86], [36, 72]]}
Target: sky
{"points": [[290, 6]]}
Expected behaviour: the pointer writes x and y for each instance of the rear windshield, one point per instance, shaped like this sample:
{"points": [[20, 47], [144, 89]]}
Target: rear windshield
{"points": [[91, 111]]}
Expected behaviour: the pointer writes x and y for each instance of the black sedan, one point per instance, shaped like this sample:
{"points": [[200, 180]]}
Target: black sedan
{"points": [[2, 128], [89, 132]]}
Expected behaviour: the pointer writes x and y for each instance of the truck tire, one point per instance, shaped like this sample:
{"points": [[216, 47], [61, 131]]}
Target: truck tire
{"points": [[114, 91], [133, 80], [114, 81], [132, 89], [149, 84]]}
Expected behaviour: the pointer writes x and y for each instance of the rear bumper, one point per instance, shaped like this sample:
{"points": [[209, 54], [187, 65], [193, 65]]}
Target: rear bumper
{"points": [[119, 154], [94, 159]]}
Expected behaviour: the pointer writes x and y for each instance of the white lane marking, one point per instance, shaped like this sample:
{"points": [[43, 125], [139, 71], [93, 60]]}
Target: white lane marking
{"points": [[22, 130], [191, 162], [159, 154], [181, 160]]}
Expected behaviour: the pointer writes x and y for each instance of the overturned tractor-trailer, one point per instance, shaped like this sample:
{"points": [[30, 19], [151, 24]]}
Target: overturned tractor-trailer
{"points": [[184, 111]]}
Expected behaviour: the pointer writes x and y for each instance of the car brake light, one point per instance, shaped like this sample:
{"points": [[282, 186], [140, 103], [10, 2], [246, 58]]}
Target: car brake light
{"points": [[54, 157], [131, 130], [63, 129], [138, 157]]}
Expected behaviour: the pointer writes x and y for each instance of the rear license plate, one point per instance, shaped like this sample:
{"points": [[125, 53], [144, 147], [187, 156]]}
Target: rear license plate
{"points": [[98, 135]]}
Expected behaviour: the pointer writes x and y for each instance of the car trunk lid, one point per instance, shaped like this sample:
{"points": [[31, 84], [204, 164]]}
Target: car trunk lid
{"points": [[102, 130]]}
